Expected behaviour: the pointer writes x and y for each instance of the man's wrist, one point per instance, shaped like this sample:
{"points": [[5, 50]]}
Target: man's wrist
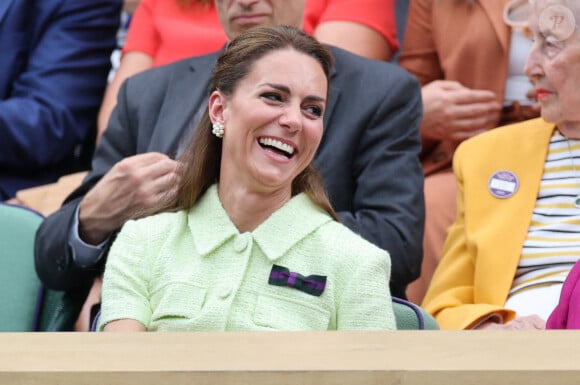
{"points": [[84, 254]]}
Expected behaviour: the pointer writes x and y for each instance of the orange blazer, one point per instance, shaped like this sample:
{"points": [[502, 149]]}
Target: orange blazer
{"points": [[483, 246], [450, 40]]}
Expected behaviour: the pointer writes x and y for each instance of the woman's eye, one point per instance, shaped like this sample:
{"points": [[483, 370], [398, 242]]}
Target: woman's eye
{"points": [[272, 96], [551, 48], [314, 111]]}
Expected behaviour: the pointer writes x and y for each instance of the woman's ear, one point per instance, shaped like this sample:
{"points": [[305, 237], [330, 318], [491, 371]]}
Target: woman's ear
{"points": [[216, 106]]}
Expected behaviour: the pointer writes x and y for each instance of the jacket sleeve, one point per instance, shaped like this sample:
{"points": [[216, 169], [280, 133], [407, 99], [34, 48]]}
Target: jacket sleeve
{"points": [[369, 279], [56, 94], [450, 297]]}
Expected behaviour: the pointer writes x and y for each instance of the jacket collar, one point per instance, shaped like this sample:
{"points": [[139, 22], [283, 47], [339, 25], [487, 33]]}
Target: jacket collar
{"points": [[211, 227], [526, 160]]}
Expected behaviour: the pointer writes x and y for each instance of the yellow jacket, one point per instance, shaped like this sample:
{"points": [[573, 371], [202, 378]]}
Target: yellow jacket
{"points": [[483, 246]]}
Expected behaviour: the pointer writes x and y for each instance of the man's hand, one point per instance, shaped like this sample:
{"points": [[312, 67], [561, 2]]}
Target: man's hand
{"points": [[454, 112], [135, 187]]}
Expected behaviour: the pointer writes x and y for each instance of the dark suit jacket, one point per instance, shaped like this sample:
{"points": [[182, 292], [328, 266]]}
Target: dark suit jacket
{"points": [[54, 61], [368, 156]]}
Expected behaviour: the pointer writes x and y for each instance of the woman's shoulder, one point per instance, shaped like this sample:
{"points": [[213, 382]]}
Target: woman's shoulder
{"points": [[505, 135], [347, 255], [161, 223], [340, 241]]}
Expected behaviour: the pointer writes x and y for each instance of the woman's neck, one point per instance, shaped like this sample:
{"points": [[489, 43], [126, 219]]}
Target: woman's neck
{"points": [[570, 130], [247, 209]]}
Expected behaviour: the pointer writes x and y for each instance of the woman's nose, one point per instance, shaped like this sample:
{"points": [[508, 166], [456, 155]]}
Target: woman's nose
{"points": [[532, 68], [291, 119]]}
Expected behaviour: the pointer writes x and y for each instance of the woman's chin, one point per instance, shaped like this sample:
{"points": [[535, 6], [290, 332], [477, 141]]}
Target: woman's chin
{"points": [[550, 116], [275, 180]]}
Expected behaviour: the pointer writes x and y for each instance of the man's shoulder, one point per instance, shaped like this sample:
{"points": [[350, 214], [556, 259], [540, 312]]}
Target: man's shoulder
{"points": [[348, 64], [163, 73]]}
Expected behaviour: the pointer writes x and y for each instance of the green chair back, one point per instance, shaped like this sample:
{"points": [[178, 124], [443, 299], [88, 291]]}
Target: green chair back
{"points": [[19, 284], [410, 316]]}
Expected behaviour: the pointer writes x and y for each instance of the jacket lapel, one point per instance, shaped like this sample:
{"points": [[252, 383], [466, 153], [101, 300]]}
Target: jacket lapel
{"points": [[524, 157], [186, 92], [494, 11], [333, 96]]}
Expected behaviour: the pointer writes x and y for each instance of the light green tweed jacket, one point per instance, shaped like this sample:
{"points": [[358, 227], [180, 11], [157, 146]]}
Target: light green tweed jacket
{"points": [[193, 270]]}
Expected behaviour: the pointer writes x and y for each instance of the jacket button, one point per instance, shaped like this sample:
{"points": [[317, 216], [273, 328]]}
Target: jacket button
{"points": [[240, 243]]}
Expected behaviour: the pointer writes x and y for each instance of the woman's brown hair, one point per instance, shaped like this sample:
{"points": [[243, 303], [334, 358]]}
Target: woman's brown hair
{"points": [[200, 164]]}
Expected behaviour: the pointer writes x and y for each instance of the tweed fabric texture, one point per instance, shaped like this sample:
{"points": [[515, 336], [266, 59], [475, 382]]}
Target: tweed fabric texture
{"points": [[193, 270]]}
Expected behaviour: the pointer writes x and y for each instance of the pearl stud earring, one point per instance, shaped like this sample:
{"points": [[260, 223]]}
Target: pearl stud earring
{"points": [[218, 129]]}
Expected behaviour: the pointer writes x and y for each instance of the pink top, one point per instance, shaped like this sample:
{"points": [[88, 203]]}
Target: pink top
{"points": [[168, 32], [376, 14]]}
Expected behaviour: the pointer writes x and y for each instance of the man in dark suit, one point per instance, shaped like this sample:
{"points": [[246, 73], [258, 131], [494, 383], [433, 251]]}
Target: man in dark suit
{"points": [[368, 156], [54, 61]]}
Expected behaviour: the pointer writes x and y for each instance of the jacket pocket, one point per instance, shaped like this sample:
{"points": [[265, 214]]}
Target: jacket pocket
{"points": [[178, 304], [282, 313]]}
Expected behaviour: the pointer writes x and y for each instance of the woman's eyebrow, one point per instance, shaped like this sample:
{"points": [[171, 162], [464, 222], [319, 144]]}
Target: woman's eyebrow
{"points": [[286, 89], [279, 87]]}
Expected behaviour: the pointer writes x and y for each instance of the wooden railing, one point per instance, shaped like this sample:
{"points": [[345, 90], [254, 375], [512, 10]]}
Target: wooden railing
{"points": [[302, 358]]}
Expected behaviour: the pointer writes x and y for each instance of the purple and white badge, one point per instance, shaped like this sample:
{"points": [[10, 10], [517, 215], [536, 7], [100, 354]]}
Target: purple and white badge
{"points": [[503, 184]]}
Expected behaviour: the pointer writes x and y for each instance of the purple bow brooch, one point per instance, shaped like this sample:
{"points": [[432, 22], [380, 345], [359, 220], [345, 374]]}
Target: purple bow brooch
{"points": [[312, 284]]}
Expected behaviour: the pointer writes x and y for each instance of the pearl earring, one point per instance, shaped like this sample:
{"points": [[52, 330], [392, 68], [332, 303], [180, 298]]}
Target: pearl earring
{"points": [[218, 129]]}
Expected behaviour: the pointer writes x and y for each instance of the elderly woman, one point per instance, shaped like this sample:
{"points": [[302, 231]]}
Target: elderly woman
{"points": [[253, 243], [515, 237]]}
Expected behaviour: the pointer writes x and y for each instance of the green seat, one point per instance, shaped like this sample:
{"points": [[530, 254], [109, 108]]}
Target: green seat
{"points": [[19, 284], [25, 305], [410, 316]]}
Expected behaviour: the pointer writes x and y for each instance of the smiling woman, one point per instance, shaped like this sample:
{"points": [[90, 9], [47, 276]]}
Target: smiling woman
{"points": [[251, 242]]}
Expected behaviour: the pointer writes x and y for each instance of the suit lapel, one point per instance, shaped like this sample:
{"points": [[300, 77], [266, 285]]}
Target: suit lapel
{"points": [[494, 11], [4, 5], [333, 96], [185, 94]]}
